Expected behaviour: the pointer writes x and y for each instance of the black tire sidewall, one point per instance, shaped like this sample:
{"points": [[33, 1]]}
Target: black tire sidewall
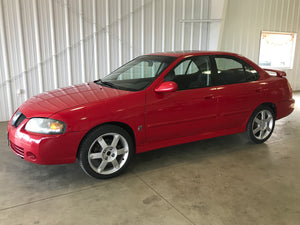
{"points": [[89, 140], [250, 122]]}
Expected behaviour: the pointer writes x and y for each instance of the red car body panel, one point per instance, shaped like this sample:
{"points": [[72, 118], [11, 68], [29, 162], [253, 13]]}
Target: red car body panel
{"points": [[155, 119], [116, 106]]}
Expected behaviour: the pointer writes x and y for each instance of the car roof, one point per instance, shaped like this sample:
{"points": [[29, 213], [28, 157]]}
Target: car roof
{"points": [[193, 53]]}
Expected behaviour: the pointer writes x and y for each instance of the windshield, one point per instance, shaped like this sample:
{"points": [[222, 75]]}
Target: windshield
{"points": [[137, 74]]}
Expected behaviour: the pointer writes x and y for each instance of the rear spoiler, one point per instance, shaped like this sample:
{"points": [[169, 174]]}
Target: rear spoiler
{"points": [[279, 73]]}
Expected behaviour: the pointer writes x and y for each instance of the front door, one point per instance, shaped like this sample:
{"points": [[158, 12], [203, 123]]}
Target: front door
{"points": [[190, 110]]}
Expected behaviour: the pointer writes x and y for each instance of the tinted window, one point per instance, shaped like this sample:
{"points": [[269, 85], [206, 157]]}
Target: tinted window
{"points": [[225, 64], [231, 71], [191, 73], [251, 73]]}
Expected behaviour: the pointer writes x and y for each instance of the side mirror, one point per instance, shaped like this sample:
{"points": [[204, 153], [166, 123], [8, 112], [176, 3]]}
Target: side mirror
{"points": [[167, 86]]}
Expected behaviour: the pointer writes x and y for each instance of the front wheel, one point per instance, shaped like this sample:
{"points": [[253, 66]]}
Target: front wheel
{"points": [[106, 151], [261, 124]]}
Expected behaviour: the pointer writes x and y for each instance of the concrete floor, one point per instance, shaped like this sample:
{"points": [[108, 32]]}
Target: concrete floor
{"points": [[224, 180]]}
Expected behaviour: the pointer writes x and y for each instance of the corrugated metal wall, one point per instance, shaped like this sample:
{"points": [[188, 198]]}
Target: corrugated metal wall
{"points": [[244, 21], [46, 44]]}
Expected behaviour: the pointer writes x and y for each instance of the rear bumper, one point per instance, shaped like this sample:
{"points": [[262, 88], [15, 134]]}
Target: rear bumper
{"points": [[44, 149], [284, 108]]}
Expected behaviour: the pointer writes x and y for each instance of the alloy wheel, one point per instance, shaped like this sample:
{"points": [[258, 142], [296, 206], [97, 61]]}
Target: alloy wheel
{"points": [[262, 124], [108, 153]]}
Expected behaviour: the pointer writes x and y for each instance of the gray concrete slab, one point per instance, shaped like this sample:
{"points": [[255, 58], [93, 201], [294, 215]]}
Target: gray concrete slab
{"points": [[224, 180]]}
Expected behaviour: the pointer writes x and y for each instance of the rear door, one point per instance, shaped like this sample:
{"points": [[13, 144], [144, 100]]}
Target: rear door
{"points": [[237, 91]]}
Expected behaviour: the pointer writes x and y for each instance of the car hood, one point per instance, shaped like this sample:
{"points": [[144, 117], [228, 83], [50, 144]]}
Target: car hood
{"points": [[51, 102]]}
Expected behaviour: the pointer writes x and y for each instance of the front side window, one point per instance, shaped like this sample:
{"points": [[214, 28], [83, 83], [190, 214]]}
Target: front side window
{"points": [[230, 70], [138, 73], [186, 67], [191, 73]]}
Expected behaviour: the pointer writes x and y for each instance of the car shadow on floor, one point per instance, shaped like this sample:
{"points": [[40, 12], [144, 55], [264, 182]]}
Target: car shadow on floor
{"points": [[195, 151]]}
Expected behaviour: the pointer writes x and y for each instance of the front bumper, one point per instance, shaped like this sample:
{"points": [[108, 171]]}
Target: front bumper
{"points": [[41, 148]]}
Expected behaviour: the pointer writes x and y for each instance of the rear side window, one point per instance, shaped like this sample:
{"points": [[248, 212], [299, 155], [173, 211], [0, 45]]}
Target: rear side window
{"points": [[250, 73], [230, 70], [225, 64]]}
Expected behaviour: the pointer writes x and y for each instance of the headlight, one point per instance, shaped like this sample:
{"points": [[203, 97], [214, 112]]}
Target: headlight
{"points": [[45, 126]]}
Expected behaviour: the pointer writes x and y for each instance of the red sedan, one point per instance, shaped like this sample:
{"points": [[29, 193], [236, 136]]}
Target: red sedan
{"points": [[153, 101]]}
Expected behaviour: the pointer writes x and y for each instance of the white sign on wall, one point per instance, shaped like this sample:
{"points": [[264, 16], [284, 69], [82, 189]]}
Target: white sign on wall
{"points": [[277, 50]]}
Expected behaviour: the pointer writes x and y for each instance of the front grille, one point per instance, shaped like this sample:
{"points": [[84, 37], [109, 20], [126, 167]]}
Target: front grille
{"points": [[18, 150]]}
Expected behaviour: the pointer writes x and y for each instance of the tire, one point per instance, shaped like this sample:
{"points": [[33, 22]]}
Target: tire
{"points": [[106, 152], [261, 124]]}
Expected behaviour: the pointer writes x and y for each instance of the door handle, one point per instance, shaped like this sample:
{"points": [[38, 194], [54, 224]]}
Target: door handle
{"points": [[261, 90], [209, 97]]}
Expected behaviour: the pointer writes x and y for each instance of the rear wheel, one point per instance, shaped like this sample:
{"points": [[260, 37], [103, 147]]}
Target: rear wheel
{"points": [[261, 124], [106, 151]]}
